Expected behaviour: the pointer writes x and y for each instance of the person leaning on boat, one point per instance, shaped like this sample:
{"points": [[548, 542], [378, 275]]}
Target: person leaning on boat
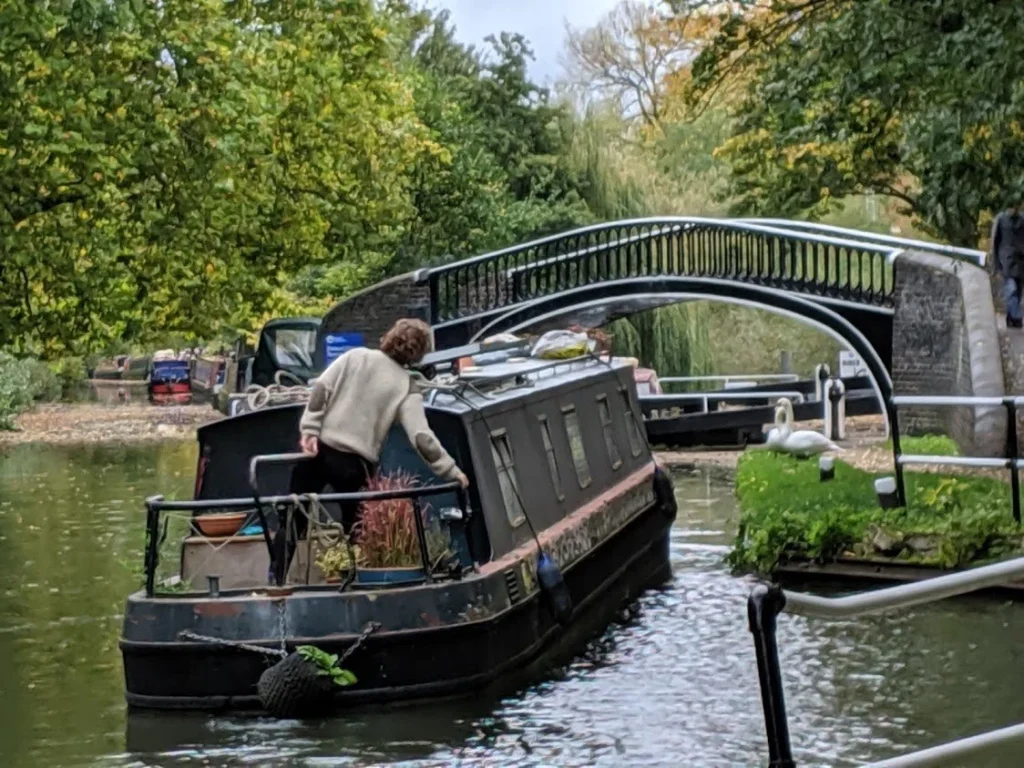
{"points": [[353, 405]]}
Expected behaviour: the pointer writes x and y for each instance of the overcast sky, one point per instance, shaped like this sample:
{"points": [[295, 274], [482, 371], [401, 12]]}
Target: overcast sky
{"points": [[542, 22]]}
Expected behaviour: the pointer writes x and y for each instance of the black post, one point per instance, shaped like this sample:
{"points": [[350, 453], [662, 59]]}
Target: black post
{"points": [[894, 427], [763, 607], [421, 534], [152, 539], [1012, 454]]}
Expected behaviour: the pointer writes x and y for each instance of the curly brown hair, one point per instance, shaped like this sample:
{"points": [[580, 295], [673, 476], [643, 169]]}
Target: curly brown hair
{"points": [[407, 341]]}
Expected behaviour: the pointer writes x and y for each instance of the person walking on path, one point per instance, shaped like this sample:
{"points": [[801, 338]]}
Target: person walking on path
{"points": [[353, 405], [1008, 258]]}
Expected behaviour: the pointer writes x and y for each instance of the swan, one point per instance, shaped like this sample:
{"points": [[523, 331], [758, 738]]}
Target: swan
{"points": [[780, 431], [803, 442]]}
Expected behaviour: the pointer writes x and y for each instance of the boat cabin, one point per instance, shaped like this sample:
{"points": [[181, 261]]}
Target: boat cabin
{"points": [[287, 344], [537, 438]]}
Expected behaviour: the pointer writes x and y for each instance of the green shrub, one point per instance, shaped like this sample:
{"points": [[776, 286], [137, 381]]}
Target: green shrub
{"points": [[786, 513], [43, 382], [16, 393], [927, 445], [72, 375]]}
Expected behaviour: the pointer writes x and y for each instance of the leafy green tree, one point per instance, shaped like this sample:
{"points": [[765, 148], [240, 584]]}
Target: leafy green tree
{"points": [[166, 167], [921, 101]]}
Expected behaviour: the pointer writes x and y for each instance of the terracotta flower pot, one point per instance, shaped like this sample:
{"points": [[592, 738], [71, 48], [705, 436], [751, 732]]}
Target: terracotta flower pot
{"points": [[220, 524]]}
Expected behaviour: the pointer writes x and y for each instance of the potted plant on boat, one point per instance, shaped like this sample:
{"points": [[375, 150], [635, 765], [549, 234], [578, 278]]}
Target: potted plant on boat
{"points": [[388, 543], [337, 559]]}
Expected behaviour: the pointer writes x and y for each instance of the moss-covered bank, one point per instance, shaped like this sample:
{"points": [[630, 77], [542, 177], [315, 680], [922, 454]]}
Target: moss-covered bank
{"points": [[787, 513]]}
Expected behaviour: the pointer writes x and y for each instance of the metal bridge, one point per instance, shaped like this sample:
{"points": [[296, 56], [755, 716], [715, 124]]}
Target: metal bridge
{"points": [[840, 280]]}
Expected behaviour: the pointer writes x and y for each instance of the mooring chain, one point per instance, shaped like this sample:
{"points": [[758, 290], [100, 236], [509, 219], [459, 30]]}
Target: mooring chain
{"points": [[282, 628], [372, 627], [186, 634]]}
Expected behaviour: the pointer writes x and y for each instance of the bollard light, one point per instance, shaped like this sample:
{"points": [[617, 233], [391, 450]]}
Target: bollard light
{"points": [[821, 374], [836, 409], [826, 468], [885, 490]]}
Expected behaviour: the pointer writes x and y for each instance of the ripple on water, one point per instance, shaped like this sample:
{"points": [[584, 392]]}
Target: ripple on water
{"points": [[674, 686]]}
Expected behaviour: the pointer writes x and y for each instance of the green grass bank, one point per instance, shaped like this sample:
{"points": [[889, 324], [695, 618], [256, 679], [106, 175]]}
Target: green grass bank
{"points": [[787, 513]]}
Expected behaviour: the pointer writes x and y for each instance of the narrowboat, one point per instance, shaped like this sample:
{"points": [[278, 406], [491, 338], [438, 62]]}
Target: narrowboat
{"points": [[208, 375], [169, 381], [565, 522]]}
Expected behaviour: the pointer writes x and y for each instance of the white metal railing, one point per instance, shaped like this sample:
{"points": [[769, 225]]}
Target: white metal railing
{"points": [[1009, 461], [766, 603], [730, 378], [945, 754]]}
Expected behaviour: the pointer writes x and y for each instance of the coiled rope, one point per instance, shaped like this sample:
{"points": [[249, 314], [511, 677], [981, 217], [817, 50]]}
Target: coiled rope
{"points": [[278, 393]]}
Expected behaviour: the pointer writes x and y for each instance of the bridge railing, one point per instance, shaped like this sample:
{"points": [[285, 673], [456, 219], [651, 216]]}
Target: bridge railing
{"points": [[766, 603], [817, 265], [902, 243]]}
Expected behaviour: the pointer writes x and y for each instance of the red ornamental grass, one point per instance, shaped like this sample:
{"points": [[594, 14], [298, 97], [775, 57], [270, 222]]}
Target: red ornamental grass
{"points": [[386, 531]]}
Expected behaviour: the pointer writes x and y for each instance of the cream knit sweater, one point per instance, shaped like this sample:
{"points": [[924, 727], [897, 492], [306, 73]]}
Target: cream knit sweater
{"points": [[357, 399]]}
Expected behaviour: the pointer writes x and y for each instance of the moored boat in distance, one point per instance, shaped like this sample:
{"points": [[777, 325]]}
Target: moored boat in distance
{"points": [[169, 379], [566, 519]]}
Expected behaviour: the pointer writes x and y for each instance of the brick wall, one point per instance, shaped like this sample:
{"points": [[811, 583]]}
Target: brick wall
{"points": [[945, 342], [373, 310]]}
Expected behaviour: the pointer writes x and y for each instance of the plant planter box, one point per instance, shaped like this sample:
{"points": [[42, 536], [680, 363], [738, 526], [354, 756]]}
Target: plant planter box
{"points": [[389, 576]]}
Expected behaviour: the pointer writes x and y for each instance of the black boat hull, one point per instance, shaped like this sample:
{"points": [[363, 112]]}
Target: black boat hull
{"points": [[426, 662]]}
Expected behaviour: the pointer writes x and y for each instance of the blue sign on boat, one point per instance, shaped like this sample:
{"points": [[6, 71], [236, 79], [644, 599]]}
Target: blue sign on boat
{"points": [[337, 344]]}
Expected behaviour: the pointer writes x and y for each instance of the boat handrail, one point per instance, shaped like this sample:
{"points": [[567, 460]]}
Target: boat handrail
{"points": [[766, 603], [155, 505], [205, 505], [272, 458]]}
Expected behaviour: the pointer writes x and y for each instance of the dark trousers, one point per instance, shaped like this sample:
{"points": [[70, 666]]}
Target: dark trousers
{"points": [[344, 472]]}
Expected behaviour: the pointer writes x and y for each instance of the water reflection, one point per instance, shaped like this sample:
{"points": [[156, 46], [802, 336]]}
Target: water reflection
{"points": [[674, 685]]}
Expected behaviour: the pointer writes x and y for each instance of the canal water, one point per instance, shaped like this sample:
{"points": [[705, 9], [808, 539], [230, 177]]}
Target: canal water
{"points": [[677, 686]]}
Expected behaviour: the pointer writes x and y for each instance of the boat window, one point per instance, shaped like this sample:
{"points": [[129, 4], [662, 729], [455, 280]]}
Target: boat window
{"points": [[502, 453], [579, 453], [294, 346], [549, 449], [636, 443], [609, 432]]}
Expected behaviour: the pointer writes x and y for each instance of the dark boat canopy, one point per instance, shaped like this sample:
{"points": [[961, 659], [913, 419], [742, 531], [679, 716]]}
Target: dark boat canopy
{"points": [[287, 344]]}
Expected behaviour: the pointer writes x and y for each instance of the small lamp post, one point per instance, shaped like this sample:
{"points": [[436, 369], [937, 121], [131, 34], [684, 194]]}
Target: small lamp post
{"points": [[885, 490], [826, 468]]}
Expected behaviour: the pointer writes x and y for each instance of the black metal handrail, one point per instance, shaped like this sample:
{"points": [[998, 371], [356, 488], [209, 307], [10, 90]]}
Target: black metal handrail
{"points": [[1010, 460], [155, 505], [818, 265]]}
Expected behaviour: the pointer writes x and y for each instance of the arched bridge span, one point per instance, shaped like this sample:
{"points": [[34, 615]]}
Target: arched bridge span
{"points": [[820, 315], [852, 274]]}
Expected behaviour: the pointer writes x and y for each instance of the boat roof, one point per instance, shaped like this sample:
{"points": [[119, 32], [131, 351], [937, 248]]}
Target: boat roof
{"points": [[443, 357], [291, 322], [487, 386]]}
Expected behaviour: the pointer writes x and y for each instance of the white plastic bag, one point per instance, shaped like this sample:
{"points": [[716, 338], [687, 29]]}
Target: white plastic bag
{"points": [[562, 345], [501, 338]]}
